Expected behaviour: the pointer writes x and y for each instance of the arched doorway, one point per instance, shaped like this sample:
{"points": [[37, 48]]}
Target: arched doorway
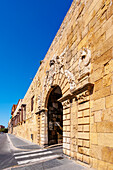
{"points": [[55, 117]]}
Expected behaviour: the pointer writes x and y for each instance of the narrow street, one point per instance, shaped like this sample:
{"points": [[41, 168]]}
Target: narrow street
{"points": [[6, 153], [18, 154]]}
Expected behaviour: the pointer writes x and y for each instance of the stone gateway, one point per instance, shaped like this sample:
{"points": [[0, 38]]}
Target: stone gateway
{"points": [[70, 100]]}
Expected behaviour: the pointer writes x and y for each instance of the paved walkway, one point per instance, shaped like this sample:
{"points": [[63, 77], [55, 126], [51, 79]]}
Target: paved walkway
{"points": [[22, 143], [37, 158]]}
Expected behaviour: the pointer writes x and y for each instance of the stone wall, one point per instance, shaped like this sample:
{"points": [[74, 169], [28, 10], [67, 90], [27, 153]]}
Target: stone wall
{"points": [[80, 62]]}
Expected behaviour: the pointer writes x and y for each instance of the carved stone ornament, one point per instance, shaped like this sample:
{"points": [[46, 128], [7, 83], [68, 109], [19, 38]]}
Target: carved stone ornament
{"points": [[71, 79], [66, 104], [38, 82], [39, 102], [57, 65], [84, 62], [84, 96]]}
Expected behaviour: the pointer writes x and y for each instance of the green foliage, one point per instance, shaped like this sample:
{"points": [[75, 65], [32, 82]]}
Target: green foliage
{"points": [[5, 130]]}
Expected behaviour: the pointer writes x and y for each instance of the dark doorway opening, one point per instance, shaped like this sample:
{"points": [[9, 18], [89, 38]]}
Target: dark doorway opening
{"points": [[55, 117]]}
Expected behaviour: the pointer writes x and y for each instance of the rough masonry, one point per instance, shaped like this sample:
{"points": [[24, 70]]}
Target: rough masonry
{"points": [[70, 99]]}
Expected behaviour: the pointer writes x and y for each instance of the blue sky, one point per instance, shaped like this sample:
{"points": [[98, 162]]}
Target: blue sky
{"points": [[27, 28]]}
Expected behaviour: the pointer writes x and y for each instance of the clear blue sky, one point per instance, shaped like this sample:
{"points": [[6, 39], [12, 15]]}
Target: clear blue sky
{"points": [[27, 28]]}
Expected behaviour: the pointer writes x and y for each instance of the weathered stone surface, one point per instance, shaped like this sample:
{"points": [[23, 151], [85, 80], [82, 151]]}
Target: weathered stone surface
{"points": [[105, 126], [109, 102], [81, 54], [93, 138], [107, 154], [99, 104]]}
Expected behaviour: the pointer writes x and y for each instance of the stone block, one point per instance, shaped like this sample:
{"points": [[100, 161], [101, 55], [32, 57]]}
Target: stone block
{"points": [[64, 139], [82, 135], [83, 106], [109, 32], [79, 157], [68, 140], [67, 146], [94, 163], [74, 108], [105, 127], [66, 122], [68, 128], [93, 128], [110, 11], [104, 58], [96, 152], [84, 120], [105, 139], [72, 154], [102, 165], [107, 45], [86, 143], [64, 128], [112, 89], [68, 116], [99, 104], [64, 117], [93, 138], [86, 112], [107, 154], [64, 145], [98, 116], [80, 142], [96, 75], [108, 68], [83, 150], [80, 114], [86, 128], [92, 120], [107, 114], [68, 152], [86, 159], [98, 85], [66, 134], [85, 31], [110, 166], [103, 92], [109, 101], [66, 111], [80, 128]]}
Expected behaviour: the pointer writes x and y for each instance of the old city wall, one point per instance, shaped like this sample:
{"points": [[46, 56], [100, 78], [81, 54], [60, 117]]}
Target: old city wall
{"points": [[84, 72]]}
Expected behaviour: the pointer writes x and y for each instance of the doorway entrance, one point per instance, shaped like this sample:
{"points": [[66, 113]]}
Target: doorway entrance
{"points": [[55, 117]]}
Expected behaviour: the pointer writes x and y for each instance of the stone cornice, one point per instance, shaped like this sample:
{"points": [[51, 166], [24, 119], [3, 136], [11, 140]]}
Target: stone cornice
{"points": [[41, 110], [66, 97], [88, 86]]}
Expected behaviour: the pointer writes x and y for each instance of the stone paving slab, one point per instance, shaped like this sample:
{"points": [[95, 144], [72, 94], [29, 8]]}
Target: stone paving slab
{"points": [[22, 144]]}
